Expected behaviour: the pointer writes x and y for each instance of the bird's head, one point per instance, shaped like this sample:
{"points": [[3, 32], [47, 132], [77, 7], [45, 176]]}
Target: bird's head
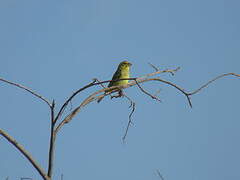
{"points": [[125, 64]]}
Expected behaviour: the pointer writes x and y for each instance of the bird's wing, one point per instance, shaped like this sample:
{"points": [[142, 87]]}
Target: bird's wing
{"points": [[116, 76]]}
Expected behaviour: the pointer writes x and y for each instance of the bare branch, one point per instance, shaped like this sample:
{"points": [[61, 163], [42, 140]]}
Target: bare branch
{"points": [[96, 80], [175, 86], [129, 121], [71, 97], [27, 89], [144, 91], [132, 106], [25, 153], [154, 67], [76, 110], [129, 99], [166, 70], [172, 71], [214, 79]]}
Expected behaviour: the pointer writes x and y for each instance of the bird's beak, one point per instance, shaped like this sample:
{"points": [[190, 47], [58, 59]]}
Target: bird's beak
{"points": [[130, 64]]}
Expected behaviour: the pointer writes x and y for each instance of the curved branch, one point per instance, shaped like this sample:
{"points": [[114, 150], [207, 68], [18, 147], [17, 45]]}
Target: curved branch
{"points": [[129, 119], [175, 86], [25, 153], [214, 79], [132, 106], [71, 97], [147, 93], [27, 89], [76, 110]]}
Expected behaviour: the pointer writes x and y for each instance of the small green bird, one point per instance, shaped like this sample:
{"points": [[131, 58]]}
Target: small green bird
{"points": [[123, 71]]}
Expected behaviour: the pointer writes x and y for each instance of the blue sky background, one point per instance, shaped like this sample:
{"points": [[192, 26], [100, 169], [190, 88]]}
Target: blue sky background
{"points": [[56, 47]]}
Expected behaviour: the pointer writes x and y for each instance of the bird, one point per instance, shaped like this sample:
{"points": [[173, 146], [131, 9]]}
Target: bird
{"points": [[122, 72]]}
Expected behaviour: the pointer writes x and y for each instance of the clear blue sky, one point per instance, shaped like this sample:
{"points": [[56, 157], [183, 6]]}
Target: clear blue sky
{"points": [[56, 47]]}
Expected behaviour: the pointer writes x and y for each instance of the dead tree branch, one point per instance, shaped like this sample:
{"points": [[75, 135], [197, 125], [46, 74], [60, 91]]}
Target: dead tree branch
{"points": [[25, 153], [149, 94], [129, 122], [211, 81], [28, 90], [154, 67], [132, 106]]}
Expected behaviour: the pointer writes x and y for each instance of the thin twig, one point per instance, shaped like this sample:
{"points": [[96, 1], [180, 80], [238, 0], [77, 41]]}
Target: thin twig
{"points": [[129, 122], [154, 67], [96, 80], [144, 91], [27, 89], [25, 153], [214, 79], [175, 86], [172, 71], [129, 99], [132, 106], [102, 87]]}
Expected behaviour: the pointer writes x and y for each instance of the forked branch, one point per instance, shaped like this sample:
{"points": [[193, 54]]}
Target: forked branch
{"points": [[28, 90]]}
